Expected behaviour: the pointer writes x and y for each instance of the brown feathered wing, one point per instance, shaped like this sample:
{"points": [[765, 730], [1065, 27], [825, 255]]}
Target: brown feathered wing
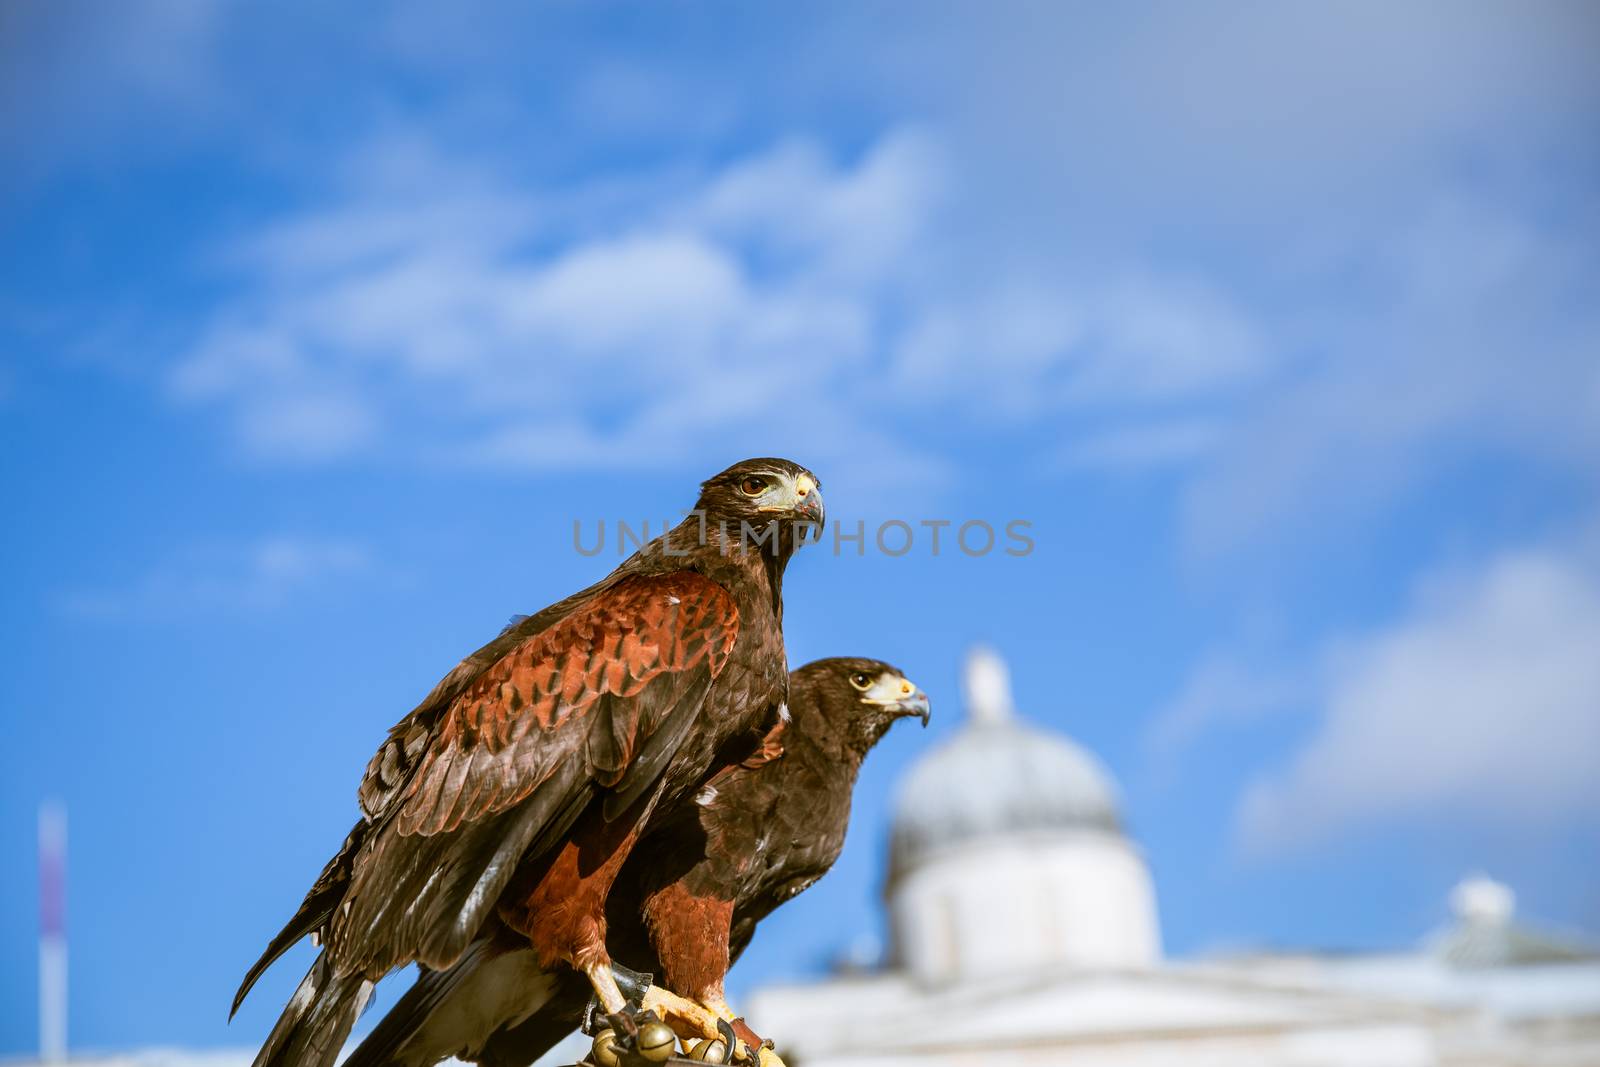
{"points": [[505, 754]]}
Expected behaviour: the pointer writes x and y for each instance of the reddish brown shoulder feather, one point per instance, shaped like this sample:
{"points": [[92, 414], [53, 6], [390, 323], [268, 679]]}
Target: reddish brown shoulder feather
{"points": [[525, 713]]}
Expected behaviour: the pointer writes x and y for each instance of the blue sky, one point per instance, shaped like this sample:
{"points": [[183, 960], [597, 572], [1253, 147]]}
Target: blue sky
{"points": [[1279, 325]]}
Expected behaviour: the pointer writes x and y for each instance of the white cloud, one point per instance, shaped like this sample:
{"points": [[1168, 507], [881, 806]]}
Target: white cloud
{"points": [[1480, 707], [1258, 119], [262, 575], [307, 425], [1139, 445], [1223, 691], [410, 320], [1364, 305], [1003, 345], [429, 313], [860, 225], [1040, 348], [1257, 263], [157, 54], [1468, 331], [1160, 339]]}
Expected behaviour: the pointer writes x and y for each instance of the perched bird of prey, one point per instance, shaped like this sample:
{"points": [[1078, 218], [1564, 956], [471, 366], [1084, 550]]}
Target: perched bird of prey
{"points": [[508, 801], [760, 831]]}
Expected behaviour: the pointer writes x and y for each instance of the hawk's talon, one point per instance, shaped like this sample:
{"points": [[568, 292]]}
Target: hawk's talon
{"points": [[730, 1040]]}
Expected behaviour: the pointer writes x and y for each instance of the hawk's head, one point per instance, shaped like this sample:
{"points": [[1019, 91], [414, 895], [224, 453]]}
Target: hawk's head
{"points": [[857, 699], [761, 491]]}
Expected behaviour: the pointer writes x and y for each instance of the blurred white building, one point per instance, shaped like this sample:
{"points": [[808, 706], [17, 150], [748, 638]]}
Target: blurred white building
{"points": [[1024, 931]]}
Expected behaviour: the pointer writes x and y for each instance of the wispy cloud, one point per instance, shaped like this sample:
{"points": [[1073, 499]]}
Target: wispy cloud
{"points": [[428, 313], [1223, 692], [1108, 132], [1133, 445], [1045, 346], [454, 322], [159, 54], [1299, 368], [1468, 330], [263, 575], [1481, 706], [1262, 271], [1344, 305]]}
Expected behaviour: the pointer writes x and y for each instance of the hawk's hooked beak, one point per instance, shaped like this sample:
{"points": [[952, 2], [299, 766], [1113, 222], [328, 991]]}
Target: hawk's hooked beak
{"points": [[916, 704], [901, 696], [808, 499]]}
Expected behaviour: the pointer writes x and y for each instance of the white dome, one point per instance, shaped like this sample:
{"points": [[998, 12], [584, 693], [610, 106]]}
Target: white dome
{"points": [[997, 776], [1007, 855]]}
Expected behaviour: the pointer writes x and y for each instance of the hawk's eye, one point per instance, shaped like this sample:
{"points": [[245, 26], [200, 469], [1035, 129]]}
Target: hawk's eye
{"points": [[753, 486], [860, 681]]}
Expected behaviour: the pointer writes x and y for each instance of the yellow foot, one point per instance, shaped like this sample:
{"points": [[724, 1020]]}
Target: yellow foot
{"points": [[687, 1019], [762, 1051]]}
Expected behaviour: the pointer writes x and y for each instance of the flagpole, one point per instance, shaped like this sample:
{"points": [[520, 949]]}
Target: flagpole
{"points": [[52, 933]]}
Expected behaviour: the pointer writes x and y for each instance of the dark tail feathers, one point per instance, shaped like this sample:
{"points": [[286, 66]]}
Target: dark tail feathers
{"points": [[317, 1019], [412, 1011], [314, 911], [472, 1009]]}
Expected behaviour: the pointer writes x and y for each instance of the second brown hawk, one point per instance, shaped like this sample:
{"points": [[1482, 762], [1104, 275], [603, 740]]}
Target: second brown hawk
{"points": [[760, 831]]}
